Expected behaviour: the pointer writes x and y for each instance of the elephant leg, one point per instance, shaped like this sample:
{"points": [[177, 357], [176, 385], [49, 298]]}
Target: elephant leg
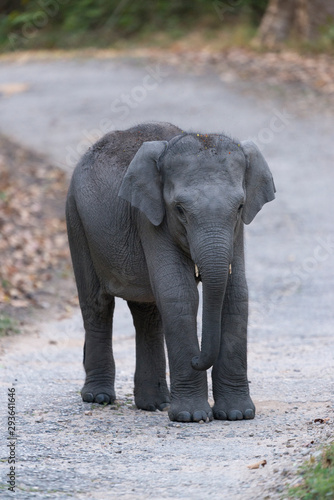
{"points": [[174, 288], [98, 359], [189, 390], [151, 391], [229, 373], [97, 311], [178, 304]]}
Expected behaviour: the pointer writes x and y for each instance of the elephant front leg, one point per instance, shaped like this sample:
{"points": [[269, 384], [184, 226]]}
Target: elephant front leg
{"points": [[174, 288], [229, 374], [189, 391]]}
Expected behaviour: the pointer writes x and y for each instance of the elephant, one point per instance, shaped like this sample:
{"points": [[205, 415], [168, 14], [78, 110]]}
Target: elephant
{"points": [[151, 211]]}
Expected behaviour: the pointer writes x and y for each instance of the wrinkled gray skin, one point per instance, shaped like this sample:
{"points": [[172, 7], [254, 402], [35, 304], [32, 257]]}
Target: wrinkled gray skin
{"points": [[144, 206]]}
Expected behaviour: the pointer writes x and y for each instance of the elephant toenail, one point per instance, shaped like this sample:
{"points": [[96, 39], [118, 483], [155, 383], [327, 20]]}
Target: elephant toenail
{"points": [[88, 397], [235, 415], [102, 398], [164, 406], [199, 415], [183, 416], [249, 414], [151, 408], [220, 415]]}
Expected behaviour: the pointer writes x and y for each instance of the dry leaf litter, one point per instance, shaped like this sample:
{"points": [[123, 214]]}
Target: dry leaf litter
{"points": [[33, 241]]}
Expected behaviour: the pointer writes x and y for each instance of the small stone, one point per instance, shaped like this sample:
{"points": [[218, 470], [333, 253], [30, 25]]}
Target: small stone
{"points": [[230, 435]]}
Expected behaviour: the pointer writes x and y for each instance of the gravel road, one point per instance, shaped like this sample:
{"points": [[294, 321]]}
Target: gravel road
{"points": [[68, 448]]}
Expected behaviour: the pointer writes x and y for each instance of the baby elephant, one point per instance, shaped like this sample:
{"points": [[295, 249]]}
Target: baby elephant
{"points": [[151, 211]]}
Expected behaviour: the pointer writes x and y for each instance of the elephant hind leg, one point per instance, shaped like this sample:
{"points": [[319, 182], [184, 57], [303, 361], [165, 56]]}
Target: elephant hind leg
{"points": [[99, 361], [97, 312], [151, 391]]}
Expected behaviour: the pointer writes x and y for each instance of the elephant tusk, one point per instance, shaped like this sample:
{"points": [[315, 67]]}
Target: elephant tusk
{"points": [[230, 269], [196, 272]]}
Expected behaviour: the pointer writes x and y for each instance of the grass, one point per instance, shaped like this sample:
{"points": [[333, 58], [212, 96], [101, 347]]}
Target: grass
{"points": [[7, 325], [214, 25], [211, 39], [210, 31], [317, 478]]}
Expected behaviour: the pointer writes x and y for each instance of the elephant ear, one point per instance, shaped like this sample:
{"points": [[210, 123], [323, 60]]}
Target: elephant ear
{"points": [[260, 187], [141, 184]]}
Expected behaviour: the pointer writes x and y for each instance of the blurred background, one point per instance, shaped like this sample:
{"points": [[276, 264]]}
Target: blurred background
{"points": [[85, 23], [73, 70]]}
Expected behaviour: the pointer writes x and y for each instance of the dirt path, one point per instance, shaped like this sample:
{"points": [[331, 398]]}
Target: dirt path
{"points": [[67, 448]]}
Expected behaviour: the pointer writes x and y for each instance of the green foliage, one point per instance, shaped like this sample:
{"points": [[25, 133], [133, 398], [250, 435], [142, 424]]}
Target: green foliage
{"points": [[28, 23], [327, 34], [7, 325], [318, 478]]}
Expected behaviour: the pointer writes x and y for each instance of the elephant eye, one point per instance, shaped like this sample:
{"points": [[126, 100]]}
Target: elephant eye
{"points": [[241, 206], [180, 211]]}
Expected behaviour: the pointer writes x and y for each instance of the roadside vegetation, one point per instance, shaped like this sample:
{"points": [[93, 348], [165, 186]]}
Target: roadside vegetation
{"points": [[317, 478], [52, 24], [83, 23], [33, 241], [8, 325]]}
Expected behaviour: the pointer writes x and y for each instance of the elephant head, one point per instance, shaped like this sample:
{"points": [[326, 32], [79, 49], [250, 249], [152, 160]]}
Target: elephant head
{"points": [[201, 187]]}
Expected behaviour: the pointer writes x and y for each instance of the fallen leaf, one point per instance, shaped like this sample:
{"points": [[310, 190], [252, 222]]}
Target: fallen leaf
{"points": [[33, 241], [257, 465]]}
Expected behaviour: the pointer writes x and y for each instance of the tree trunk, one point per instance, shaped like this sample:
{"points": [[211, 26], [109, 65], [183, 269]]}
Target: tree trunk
{"points": [[300, 18]]}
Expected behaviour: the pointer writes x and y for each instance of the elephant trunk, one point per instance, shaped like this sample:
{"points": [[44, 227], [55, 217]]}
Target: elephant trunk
{"points": [[214, 268]]}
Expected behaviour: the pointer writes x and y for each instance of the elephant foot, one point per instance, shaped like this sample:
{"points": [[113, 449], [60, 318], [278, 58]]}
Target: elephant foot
{"points": [[152, 398], [190, 410], [98, 392], [234, 407]]}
